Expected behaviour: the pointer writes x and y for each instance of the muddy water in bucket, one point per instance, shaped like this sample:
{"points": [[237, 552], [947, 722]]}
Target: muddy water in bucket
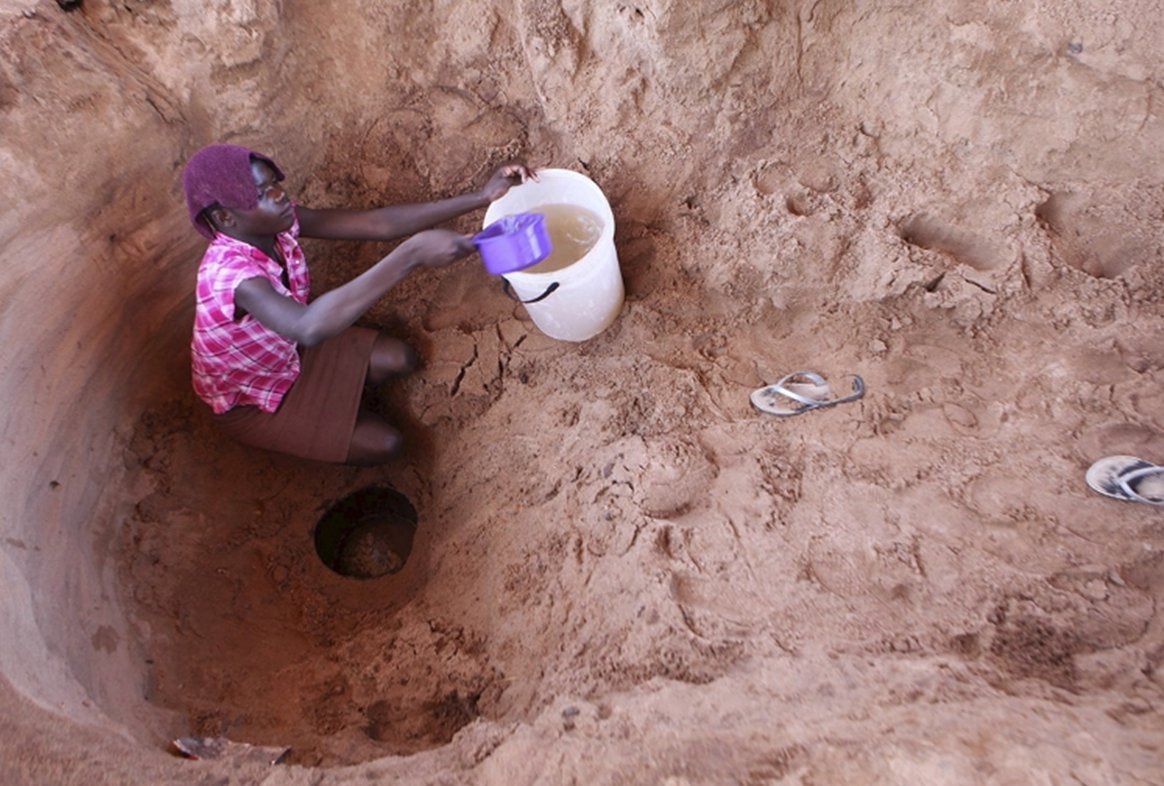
{"points": [[573, 232], [577, 292]]}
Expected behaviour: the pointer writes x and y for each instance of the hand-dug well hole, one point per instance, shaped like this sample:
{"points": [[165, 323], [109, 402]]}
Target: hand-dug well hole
{"points": [[367, 534]]}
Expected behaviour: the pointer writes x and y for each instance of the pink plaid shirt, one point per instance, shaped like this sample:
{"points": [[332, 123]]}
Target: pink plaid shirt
{"points": [[241, 362]]}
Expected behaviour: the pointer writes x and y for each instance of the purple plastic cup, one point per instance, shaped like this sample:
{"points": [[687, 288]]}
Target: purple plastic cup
{"points": [[513, 243]]}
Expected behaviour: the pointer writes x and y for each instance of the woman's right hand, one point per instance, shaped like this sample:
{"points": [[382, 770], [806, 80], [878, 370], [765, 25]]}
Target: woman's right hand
{"points": [[439, 247]]}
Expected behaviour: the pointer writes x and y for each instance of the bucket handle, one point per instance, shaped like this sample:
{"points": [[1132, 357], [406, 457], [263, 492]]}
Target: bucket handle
{"points": [[509, 291]]}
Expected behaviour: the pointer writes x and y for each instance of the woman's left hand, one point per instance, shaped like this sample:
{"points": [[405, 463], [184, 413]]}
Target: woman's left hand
{"points": [[508, 175]]}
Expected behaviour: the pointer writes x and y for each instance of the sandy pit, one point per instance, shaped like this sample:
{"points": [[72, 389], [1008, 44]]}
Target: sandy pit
{"points": [[621, 572]]}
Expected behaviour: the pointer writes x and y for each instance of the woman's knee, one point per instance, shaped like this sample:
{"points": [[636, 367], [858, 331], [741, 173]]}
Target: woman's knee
{"points": [[374, 441], [391, 357]]}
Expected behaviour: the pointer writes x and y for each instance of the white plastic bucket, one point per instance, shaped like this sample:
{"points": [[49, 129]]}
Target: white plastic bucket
{"points": [[580, 300]]}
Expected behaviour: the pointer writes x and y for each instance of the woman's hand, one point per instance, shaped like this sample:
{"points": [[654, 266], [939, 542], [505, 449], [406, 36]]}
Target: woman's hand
{"points": [[439, 247], [508, 175]]}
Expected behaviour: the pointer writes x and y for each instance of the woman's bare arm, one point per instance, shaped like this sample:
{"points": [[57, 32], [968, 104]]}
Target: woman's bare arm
{"points": [[333, 312], [396, 221]]}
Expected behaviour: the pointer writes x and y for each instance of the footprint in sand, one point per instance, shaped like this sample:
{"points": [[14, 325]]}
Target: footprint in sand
{"points": [[1141, 353], [1086, 233], [717, 609], [1067, 631], [1092, 366], [926, 231], [675, 479], [1120, 439]]}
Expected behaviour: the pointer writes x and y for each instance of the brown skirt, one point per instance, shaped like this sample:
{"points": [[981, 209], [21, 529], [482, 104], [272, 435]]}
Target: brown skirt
{"points": [[317, 416]]}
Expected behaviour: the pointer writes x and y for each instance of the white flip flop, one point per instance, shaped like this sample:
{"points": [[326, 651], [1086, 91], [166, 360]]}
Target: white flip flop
{"points": [[1128, 478], [800, 392]]}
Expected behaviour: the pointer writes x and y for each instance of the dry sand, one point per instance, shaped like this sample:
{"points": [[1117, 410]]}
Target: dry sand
{"points": [[622, 572]]}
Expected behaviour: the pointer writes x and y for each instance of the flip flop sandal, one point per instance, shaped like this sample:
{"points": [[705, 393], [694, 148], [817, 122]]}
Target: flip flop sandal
{"points": [[802, 391], [1128, 478]]}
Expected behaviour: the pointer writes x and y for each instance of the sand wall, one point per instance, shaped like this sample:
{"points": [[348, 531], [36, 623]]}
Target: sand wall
{"points": [[962, 203]]}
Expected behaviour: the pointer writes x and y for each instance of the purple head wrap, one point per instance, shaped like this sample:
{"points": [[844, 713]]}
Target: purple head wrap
{"points": [[221, 174]]}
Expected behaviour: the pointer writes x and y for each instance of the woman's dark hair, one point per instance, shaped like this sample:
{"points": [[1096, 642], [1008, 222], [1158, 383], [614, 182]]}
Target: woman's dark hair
{"points": [[206, 217]]}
